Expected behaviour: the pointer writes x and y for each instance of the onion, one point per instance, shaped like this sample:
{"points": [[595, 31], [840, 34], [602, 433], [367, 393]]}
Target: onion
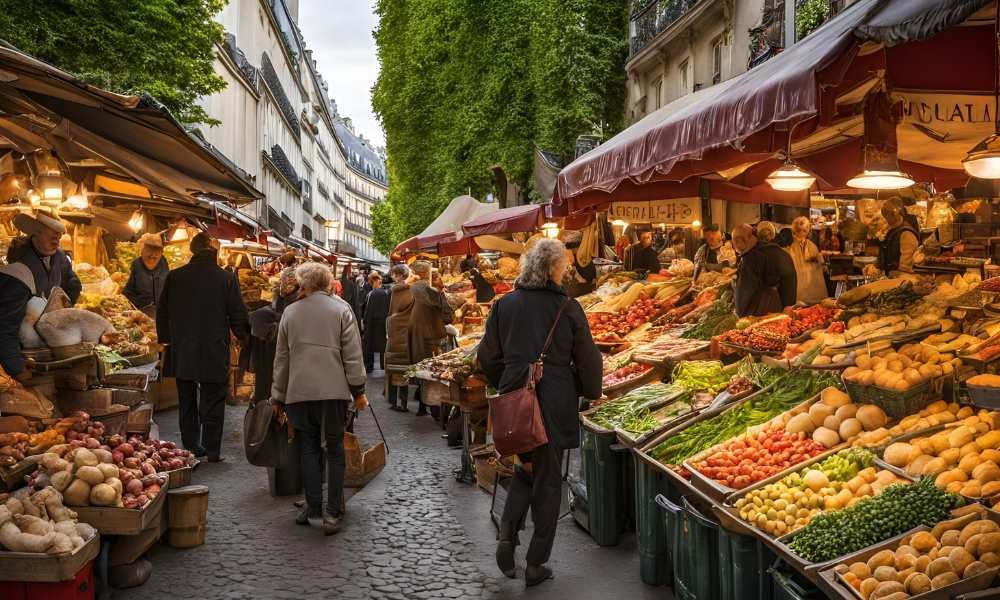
{"points": [[147, 468], [93, 443], [134, 487], [126, 449], [117, 457], [142, 500]]}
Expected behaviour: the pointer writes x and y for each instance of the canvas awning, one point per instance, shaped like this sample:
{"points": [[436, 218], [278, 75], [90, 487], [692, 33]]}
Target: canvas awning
{"points": [[447, 227], [912, 46], [98, 132], [506, 220]]}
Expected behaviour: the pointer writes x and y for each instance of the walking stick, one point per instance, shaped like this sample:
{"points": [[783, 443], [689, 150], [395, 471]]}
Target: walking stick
{"points": [[372, 411]]}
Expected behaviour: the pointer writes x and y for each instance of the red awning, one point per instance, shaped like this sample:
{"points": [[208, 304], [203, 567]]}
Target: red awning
{"points": [[506, 220], [428, 243], [746, 119]]}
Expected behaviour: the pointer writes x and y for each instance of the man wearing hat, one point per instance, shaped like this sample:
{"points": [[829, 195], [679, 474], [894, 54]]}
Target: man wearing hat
{"points": [[49, 265], [17, 286], [147, 275]]}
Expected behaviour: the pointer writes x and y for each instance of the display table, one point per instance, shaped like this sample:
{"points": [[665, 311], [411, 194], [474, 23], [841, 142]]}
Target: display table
{"points": [[468, 397]]}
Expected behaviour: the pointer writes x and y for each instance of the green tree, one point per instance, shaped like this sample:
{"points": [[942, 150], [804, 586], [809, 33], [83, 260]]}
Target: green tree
{"points": [[466, 85], [162, 47]]}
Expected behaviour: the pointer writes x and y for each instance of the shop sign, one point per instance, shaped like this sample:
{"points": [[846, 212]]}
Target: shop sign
{"points": [[674, 211], [938, 129]]}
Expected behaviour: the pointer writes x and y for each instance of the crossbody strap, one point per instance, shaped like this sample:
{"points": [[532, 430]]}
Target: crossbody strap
{"points": [[552, 330]]}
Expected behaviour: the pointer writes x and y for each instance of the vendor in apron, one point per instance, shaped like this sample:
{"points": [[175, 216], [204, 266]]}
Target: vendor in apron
{"points": [[765, 279], [50, 267]]}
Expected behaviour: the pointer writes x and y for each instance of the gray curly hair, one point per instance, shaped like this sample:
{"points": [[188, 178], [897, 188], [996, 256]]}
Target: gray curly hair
{"points": [[536, 264], [313, 276], [399, 272]]}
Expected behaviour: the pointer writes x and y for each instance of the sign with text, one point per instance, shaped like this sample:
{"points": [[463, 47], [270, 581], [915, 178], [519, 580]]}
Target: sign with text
{"points": [[674, 211]]}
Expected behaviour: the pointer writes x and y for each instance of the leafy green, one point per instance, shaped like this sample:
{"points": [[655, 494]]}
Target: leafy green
{"points": [[700, 375], [719, 318]]}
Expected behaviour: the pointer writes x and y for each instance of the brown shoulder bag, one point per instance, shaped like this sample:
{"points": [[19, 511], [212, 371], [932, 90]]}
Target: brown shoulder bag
{"points": [[516, 417]]}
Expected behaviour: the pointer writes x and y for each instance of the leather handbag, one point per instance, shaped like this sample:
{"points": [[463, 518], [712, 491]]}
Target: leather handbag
{"points": [[516, 417], [265, 440]]}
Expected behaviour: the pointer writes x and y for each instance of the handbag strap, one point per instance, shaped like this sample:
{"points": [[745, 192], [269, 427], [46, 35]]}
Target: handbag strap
{"points": [[552, 331]]}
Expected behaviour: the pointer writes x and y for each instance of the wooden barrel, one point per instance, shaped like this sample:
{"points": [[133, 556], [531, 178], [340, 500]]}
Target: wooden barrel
{"points": [[187, 516]]}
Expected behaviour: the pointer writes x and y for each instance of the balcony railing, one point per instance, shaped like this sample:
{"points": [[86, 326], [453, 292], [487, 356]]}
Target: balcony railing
{"points": [[284, 166], [365, 195], [247, 71], [358, 229], [651, 17], [284, 104], [289, 33]]}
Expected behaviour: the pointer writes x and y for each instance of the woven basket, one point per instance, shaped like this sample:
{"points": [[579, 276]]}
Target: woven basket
{"points": [[894, 403]]}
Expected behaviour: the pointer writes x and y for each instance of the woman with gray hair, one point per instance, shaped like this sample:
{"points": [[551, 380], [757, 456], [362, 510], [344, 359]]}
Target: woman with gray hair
{"points": [[318, 369], [515, 337]]}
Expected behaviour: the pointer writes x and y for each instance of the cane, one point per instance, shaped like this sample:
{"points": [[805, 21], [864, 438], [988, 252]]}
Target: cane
{"points": [[372, 411]]}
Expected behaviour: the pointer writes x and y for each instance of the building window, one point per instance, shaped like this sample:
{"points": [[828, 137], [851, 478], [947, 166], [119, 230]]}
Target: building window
{"points": [[685, 79], [717, 60]]}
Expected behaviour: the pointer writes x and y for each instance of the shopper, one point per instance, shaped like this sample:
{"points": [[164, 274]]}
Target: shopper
{"points": [[147, 274], [715, 254], [264, 334], [515, 335], [643, 256], [349, 292], [765, 279], [397, 351], [901, 241], [468, 263], [40, 252], [375, 314], [810, 285], [199, 307], [484, 291], [427, 320], [318, 369]]}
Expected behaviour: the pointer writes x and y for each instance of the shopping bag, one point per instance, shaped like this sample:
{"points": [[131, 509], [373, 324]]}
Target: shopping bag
{"points": [[265, 440]]}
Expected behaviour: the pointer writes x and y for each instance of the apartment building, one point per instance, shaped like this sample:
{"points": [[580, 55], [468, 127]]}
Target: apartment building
{"points": [[280, 126]]}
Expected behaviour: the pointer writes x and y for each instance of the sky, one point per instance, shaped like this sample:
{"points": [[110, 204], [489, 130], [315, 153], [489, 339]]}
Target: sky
{"points": [[339, 32]]}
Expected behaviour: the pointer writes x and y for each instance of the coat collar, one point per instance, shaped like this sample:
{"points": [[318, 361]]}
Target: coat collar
{"points": [[205, 256], [548, 287]]}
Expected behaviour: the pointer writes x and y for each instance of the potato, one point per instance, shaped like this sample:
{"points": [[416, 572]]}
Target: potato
{"points": [[923, 541], [951, 456], [868, 586], [885, 573], [108, 470], [980, 526], [986, 471], [946, 578], [832, 423], [883, 558], [972, 544], [961, 436], [896, 596], [826, 436], [990, 542], [800, 423], [904, 562], [974, 568], [819, 411], [886, 588], [969, 448], [935, 467], [949, 476], [860, 570], [922, 563], [939, 565], [960, 559], [919, 464], [990, 559], [85, 458], [847, 411], [991, 489], [969, 462], [917, 583], [950, 537], [871, 416], [77, 494], [990, 455]]}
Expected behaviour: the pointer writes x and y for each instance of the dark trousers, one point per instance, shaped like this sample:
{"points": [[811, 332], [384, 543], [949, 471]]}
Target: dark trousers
{"points": [[312, 420], [370, 360], [202, 410], [540, 490], [398, 391]]}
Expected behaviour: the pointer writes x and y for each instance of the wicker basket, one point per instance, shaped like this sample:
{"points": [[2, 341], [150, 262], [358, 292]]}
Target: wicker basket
{"points": [[894, 403]]}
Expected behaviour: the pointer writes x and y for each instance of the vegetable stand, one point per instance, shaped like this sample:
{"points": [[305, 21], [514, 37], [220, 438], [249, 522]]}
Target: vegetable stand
{"points": [[469, 397]]}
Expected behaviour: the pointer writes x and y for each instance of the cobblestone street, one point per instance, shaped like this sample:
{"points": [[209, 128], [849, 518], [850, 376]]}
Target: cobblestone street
{"points": [[413, 532]]}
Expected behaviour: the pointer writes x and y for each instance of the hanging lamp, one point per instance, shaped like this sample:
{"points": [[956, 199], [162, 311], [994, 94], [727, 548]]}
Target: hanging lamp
{"points": [[881, 170], [983, 161], [789, 177], [136, 221]]}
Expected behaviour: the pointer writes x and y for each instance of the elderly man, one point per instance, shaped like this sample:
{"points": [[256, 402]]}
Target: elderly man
{"points": [[147, 274], [643, 256], [765, 281], [49, 265], [896, 251], [715, 254], [199, 306]]}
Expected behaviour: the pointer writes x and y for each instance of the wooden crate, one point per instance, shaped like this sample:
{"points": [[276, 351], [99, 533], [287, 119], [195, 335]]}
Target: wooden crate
{"points": [[435, 393], [33, 566], [97, 400], [110, 520], [12, 477], [139, 418], [180, 477]]}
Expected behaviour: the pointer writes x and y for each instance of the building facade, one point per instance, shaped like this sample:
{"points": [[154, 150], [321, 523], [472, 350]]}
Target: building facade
{"points": [[280, 126]]}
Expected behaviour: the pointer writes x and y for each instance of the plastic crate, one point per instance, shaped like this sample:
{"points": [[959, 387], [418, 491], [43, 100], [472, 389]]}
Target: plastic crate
{"points": [[788, 585], [694, 548]]}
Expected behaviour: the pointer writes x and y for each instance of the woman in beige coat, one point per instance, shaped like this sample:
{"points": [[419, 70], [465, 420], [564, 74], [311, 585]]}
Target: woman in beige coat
{"points": [[810, 286], [318, 369]]}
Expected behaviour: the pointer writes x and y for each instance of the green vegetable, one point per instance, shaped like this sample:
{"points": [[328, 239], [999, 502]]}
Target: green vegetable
{"points": [[807, 357], [789, 391], [631, 412], [115, 362], [843, 465], [700, 375], [760, 374], [899, 508], [718, 319]]}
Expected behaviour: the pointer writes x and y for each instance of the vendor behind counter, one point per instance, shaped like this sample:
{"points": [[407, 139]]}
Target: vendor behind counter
{"points": [[147, 274], [40, 252]]}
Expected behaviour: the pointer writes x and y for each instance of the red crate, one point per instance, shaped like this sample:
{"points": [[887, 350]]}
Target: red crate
{"points": [[81, 587]]}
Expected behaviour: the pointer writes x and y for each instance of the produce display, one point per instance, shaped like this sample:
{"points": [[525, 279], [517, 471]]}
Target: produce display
{"points": [[913, 365], [632, 411], [834, 419], [763, 340], [964, 459], [88, 477], [896, 510], [455, 365], [39, 522], [144, 456], [718, 318], [613, 362], [956, 549], [667, 347], [700, 376], [990, 285], [625, 374], [836, 482], [786, 393], [712, 300], [936, 413], [606, 326], [252, 285], [798, 321]]}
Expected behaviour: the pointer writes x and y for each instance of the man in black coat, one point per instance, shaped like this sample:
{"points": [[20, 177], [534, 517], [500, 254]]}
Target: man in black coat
{"points": [[765, 281], [375, 312], [643, 255], [200, 305], [17, 286]]}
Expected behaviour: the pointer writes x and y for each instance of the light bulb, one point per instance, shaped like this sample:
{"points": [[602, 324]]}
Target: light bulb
{"points": [[180, 234], [34, 198], [696, 224], [136, 221], [78, 201], [790, 178], [51, 187]]}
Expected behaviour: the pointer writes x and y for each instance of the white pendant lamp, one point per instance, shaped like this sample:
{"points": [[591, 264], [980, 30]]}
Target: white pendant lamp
{"points": [[790, 178], [880, 180], [983, 161], [136, 221]]}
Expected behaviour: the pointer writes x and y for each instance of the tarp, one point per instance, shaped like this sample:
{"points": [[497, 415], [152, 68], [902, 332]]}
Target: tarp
{"points": [[44, 107], [506, 220], [747, 119], [447, 227]]}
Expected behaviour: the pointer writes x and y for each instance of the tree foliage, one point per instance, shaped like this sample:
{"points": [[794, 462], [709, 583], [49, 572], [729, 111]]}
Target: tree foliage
{"points": [[466, 85], [162, 47]]}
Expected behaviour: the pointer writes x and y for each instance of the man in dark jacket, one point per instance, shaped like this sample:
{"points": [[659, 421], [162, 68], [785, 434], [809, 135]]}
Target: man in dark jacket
{"points": [[200, 305], [376, 311], [643, 256], [147, 274], [765, 281], [17, 286], [40, 252]]}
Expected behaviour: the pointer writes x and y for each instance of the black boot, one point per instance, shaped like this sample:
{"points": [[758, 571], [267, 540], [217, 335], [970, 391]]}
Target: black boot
{"points": [[505, 549], [535, 574]]}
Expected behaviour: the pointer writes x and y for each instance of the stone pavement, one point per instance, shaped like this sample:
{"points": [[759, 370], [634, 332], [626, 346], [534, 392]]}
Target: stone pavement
{"points": [[412, 533]]}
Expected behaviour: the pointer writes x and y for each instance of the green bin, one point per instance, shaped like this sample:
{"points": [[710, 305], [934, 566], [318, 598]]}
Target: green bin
{"points": [[606, 471], [655, 566], [789, 585], [743, 575], [695, 550]]}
